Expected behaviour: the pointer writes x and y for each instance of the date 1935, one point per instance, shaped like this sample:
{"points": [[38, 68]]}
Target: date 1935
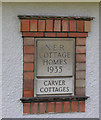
{"points": [[54, 69]]}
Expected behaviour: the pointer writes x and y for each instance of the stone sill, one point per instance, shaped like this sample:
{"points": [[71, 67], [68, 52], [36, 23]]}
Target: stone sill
{"points": [[54, 99], [55, 17]]}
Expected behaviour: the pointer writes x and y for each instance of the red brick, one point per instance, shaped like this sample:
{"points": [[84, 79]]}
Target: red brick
{"points": [[28, 93], [34, 108], [80, 49], [51, 107], [29, 75], [79, 25], [41, 25], [72, 25], [49, 25], [57, 25], [80, 66], [28, 49], [28, 66], [28, 34], [81, 106], [28, 85], [74, 106], [66, 107], [38, 34], [28, 58], [42, 108], [33, 25], [61, 34], [50, 34], [58, 107], [80, 91], [65, 25], [87, 26], [80, 75], [80, 41], [78, 34], [28, 41], [32, 34], [80, 83], [26, 108], [24, 25], [80, 58]]}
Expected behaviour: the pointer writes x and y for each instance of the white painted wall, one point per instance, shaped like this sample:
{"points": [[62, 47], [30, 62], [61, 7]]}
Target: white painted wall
{"points": [[0, 60], [13, 56]]}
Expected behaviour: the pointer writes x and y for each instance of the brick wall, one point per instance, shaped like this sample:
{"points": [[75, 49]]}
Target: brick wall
{"points": [[58, 27]]}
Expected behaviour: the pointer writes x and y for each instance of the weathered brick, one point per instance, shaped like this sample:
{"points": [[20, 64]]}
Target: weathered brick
{"points": [[34, 108], [80, 41], [26, 108], [61, 34], [80, 91], [28, 66], [81, 106], [66, 107], [42, 108], [50, 34], [72, 25], [28, 34], [74, 106], [80, 83], [80, 66], [32, 34], [49, 25], [80, 25], [80, 49], [28, 58], [58, 107], [65, 25], [29, 75], [28, 85], [28, 41], [33, 25], [57, 25], [78, 34], [80, 58], [87, 26], [28, 49], [41, 25], [28, 93], [50, 107], [24, 25], [80, 75], [38, 34]]}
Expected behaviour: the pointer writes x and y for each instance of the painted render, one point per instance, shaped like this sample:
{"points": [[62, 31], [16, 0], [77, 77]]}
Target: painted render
{"points": [[12, 56]]}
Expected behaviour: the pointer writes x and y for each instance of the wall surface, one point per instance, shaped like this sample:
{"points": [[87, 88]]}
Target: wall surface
{"points": [[0, 60], [13, 56]]}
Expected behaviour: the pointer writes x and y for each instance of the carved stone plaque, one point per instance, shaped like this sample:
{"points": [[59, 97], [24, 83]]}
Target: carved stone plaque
{"points": [[55, 86], [55, 57], [54, 66]]}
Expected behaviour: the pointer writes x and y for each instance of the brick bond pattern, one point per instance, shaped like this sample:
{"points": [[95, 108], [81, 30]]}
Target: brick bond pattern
{"points": [[45, 27]]}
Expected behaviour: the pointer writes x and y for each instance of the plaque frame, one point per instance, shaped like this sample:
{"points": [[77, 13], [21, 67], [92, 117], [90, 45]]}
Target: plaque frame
{"points": [[35, 68]]}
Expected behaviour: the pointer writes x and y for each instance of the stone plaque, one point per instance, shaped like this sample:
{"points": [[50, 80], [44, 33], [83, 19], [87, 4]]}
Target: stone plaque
{"points": [[55, 57], [54, 66], [55, 86]]}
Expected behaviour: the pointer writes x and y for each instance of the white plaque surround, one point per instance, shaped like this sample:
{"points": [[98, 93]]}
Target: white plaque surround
{"points": [[54, 66]]}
